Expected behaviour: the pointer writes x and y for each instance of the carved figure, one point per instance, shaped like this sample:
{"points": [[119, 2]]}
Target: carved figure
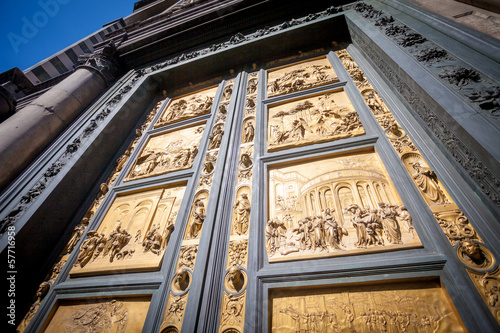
{"points": [[427, 182], [242, 210], [359, 224], [208, 167], [77, 234], [473, 254], [374, 103], [391, 224], [235, 279], [88, 247], [198, 217], [153, 241], [216, 138], [117, 239], [252, 86], [249, 132], [181, 280], [101, 317], [405, 216], [245, 161]]}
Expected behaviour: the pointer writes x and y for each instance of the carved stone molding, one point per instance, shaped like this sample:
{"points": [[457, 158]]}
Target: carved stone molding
{"points": [[459, 76], [488, 182], [104, 61]]}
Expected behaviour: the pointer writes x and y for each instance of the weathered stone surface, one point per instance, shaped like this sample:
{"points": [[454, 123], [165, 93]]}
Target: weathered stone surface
{"points": [[24, 135]]}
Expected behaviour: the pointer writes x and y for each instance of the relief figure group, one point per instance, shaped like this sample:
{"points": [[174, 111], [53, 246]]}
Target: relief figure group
{"points": [[322, 232]]}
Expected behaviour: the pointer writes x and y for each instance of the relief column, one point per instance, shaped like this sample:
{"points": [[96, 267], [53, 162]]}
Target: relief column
{"points": [[27, 133]]}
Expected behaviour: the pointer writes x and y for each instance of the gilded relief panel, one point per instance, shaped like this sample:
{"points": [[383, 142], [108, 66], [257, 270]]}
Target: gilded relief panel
{"points": [[120, 315], [321, 118], [167, 152], [470, 248], [296, 77], [335, 206], [422, 306], [188, 106], [133, 234]]}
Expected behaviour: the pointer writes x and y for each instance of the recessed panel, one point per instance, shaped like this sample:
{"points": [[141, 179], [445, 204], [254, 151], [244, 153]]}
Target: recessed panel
{"points": [[188, 106], [123, 315], [133, 235], [335, 206], [167, 152], [315, 119], [300, 76], [420, 306]]}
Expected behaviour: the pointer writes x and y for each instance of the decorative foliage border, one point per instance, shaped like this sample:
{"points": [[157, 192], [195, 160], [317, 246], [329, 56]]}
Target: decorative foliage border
{"points": [[489, 183]]}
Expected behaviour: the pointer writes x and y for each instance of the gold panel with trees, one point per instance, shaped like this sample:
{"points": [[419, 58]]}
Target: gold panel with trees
{"points": [[167, 152], [314, 119], [133, 234], [120, 315], [417, 306], [335, 206], [300, 76], [187, 106]]}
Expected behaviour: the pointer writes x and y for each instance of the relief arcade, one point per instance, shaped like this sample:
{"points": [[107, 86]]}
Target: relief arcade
{"points": [[344, 205]]}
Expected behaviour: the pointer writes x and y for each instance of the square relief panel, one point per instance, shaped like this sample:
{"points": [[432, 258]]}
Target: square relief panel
{"points": [[121, 315], [300, 76], [419, 306], [167, 152], [133, 234], [187, 106], [314, 119], [335, 206]]}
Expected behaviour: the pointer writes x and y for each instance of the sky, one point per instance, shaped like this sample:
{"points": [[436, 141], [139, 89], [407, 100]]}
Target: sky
{"points": [[32, 30]]}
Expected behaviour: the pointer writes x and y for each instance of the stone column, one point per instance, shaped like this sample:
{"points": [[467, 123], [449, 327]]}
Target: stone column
{"points": [[27, 133], [7, 103]]}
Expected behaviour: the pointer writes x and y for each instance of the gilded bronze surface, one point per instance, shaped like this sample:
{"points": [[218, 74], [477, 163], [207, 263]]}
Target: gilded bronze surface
{"points": [[188, 106], [335, 206], [167, 152], [120, 315], [469, 246], [133, 235], [397, 307], [326, 117], [296, 77]]}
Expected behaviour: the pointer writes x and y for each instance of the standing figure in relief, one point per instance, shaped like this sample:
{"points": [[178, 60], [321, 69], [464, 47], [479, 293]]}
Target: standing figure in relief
{"points": [[391, 224], [88, 247], [271, 234], [374, 228], [117, 239], [198, 218], [427, 182], [153, 240], [249, 132], [242, 209], [299, 129], [405, 216], [331, 230], [216, 138], [358, 223]]}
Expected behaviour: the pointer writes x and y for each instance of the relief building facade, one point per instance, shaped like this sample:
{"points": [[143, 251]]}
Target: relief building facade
{"points": [[280, 166]]}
